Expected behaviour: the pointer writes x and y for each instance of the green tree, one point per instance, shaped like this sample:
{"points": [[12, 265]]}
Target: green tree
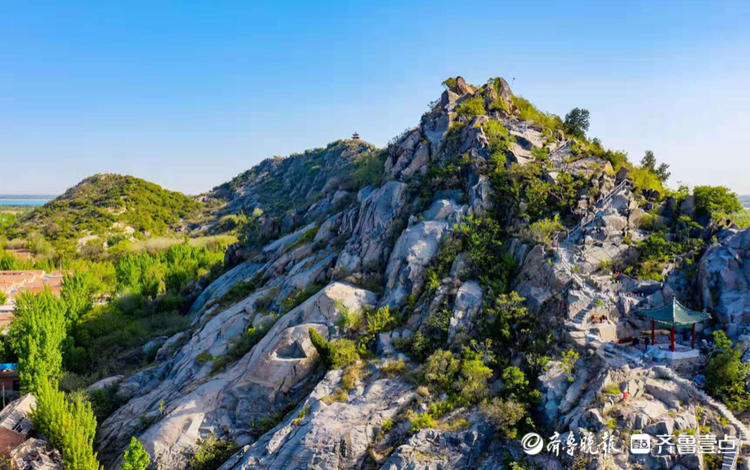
{"points": [[135, 456], [36, 335], [649, 162], [3, 298], [69, 423], [577, 122], [715, 201], [726, 375]]}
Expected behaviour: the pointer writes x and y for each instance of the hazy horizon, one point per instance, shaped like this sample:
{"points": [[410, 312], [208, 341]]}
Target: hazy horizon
{"points": [[189, 96]]}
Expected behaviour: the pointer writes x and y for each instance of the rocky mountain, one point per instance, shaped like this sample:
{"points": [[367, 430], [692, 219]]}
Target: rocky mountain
{"points": [[418, 306]]}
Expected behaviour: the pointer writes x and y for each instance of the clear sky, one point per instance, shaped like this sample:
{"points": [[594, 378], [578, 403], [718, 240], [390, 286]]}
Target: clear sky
{"points": [[188, 94]]}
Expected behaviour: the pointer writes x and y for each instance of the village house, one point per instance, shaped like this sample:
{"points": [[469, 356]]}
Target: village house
{"points": [[13, 283]]}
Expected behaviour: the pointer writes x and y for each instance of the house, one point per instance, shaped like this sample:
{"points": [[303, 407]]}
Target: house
{"points": [[14, 283]]}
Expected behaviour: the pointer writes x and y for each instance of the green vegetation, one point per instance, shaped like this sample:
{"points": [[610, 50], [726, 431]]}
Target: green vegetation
{"points": [[69, 423], [369, 169], [135, 456], [526, 111], [240, 347], [334, 354], [472, 106], [299, 296], [726, 374], [648, 162], [542, 231], [577, 122], [715, 201], [212, 452], [36, 336], [106, 205]]}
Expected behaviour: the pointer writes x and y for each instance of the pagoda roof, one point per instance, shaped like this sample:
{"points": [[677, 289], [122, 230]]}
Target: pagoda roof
{"points": [[676, 314]]}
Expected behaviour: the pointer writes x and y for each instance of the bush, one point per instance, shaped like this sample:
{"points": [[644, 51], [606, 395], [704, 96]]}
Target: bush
{"points": [[542, 231], [726, 374], [421, 420], [715, 200], [504, 415], [299, 296], [212, 452], [471, 107], [394, 367], [334, 354], [135, 456], [240, 346]]}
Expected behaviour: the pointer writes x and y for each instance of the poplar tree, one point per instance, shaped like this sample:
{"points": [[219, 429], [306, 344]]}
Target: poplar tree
{"points": [[36, 335]]}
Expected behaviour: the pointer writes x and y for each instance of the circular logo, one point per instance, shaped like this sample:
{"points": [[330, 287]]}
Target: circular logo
{"points": [[532, 443]]}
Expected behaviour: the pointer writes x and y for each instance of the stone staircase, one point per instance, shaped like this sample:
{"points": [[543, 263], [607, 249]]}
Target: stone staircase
{"points": [[567, 260], [729, 460]]}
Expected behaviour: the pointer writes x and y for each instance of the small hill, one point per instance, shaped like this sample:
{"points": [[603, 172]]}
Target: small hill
{"points": [[110, 204]]}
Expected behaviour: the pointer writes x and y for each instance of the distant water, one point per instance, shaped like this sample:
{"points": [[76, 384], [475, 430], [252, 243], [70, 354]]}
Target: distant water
{"points": [[30, 201]]}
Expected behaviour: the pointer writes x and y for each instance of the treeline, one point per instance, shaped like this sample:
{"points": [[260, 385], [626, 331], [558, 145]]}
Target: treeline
{"points": [[54, 339]]}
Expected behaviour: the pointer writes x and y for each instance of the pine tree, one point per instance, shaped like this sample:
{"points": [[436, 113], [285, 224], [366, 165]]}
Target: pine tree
{"points": [[135, 456]]}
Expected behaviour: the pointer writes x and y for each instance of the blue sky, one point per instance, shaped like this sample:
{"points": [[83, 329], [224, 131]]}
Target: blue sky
{"points": [[188, 94]]}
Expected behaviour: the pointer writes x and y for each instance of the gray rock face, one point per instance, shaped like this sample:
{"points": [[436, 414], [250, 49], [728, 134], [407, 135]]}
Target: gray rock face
{"points": [[378, 217], [335, 435], [467, 305], [724, 279], [413, 250], [265, 379]]}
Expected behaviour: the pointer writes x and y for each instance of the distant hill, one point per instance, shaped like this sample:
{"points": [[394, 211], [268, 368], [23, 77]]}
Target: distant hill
{"points": [[745, 201], [110, 204]]}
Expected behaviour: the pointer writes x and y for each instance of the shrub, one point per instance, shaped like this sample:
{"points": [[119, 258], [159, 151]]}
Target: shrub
{"points": [[542, 231], [299, 296], [474, 377], [334, 354], [504, 414], [441, 369], [369, 169], [715, 200], [211, 453], [421, 420], [726, 374], [569, 360], [135, 456], [393, 367], [471, 107], [240, 346]]}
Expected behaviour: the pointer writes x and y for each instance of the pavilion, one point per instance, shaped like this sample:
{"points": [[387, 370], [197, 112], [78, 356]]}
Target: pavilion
{"points": [[673, 315]]}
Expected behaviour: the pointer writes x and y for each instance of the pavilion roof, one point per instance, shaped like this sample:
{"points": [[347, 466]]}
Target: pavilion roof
{"points": [[675, 313]]}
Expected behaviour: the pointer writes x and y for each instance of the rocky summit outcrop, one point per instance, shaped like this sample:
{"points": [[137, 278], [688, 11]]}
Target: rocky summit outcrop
{"points": [[342, 232], [724, 277]]}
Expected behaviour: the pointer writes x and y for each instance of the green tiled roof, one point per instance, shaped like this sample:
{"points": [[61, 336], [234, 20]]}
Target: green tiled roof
{"points": [[675, 313]]}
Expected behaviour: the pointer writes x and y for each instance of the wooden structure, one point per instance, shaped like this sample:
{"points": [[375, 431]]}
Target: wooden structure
{"points": [[355, 136], [673, 315]]}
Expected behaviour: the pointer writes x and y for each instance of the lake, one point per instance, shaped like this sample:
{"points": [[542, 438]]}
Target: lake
{"points": [[23, 201]]}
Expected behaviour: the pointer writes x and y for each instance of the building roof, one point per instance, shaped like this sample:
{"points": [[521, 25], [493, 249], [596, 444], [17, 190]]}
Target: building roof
{"points": [[675, 313]]}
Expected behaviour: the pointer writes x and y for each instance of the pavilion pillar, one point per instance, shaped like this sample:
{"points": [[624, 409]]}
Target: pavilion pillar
{"points": [[653, 342], [692, 338], [671, 346]]}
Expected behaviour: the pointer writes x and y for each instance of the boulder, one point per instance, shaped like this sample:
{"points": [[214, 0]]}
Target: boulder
{"points": [[378, 217], [33, 454], [468, 303], [413, 251]]}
